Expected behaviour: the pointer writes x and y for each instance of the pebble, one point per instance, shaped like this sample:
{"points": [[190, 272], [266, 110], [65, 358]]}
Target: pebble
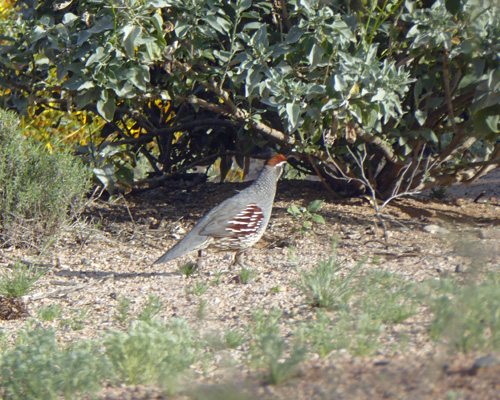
{"points": [[461, 269], [434, 229], [489, 233], [486, 362]]}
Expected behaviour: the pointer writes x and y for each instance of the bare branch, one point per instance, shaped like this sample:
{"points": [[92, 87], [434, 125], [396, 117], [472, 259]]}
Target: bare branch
{"points": [[381, 145], [447, 93], [196, 163], [177, 128], [241, 116]]}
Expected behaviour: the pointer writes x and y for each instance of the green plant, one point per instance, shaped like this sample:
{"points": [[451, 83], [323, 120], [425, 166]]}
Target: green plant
{"points": [[187, 269], [467, 317], [306, 216], [367, 332], [233, 338], [198, 288], [152, 352], [217, 280], [413, 83], [76, 320], [151, 309], [247, 275], [325, 286], [40, 190], [439, 193], [201, 311], [21, 280], [387, 297], [268, 349], [36, 367], [49, 313], [325, 335], [350, 330], [281, 366], [123, 308], [263, 324]]}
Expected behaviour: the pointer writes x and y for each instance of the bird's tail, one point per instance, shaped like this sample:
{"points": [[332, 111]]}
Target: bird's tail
{"points": [[186, 245]]}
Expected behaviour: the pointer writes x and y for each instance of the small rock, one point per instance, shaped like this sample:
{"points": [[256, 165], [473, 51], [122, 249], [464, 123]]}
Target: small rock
{"points": [[434, 229], [460, 269], [486, 362], [489, 233]]}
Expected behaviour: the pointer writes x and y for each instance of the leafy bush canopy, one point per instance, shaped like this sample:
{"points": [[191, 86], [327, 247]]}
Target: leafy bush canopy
{"points": [[397, 95]]}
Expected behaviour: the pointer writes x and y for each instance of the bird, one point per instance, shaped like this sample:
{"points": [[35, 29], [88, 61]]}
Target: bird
{"points": [[237, 223]]}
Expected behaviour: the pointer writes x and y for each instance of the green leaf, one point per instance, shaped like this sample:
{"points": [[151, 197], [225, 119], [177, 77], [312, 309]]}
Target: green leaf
{"points": [[293, 210], [294, 35], [99, 55], [104, 24], [69, 18], [339, 83], [106, 108], [492, 122], [315, 205], [420, 116], [260, 37], [452, 6], [315, 56], [125, 175], [243, 5], [181, 29], [293, 111], [160, 3], [131, 33], [318, 219], [429, 135]]}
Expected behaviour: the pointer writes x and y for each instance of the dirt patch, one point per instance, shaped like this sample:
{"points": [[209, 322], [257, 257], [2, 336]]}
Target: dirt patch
{"points": [[91, 269]]}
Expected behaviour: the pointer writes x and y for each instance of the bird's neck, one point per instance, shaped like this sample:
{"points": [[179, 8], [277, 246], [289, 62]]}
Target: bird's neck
{"points": [[268, 177]]}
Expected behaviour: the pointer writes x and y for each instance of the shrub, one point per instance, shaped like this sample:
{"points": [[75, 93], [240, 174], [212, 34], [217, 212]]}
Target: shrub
{"points": [[152, 352], [386, 97], [36, 367], [39, 190], [466, 317]]}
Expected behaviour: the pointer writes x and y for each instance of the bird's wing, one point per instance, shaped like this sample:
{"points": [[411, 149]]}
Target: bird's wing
{"points": [[232, 220]]}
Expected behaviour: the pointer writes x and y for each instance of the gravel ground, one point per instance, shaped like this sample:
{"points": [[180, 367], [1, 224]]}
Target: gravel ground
{"points": [[92, 268]]}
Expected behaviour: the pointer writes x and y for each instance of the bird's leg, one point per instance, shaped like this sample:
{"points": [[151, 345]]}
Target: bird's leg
{"points": [[238, 259], [199, 261]]}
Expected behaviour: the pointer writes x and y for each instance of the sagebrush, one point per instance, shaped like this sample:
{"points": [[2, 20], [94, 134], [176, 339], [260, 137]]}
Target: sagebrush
{"points": [[40, 189]]}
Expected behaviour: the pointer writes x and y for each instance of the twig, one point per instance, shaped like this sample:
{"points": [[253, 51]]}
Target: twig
{"points": [[188, 167], [318, 173], [128, 211], [241, 116], [27, 262], [284, 15], [66, 290]]}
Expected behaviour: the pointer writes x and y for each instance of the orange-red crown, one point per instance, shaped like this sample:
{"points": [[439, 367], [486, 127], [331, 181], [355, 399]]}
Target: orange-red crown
{"points": [[275, 160]]}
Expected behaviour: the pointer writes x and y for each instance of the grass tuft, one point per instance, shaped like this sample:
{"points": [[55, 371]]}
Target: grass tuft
{"points": [[20, 280], [326, 286]]}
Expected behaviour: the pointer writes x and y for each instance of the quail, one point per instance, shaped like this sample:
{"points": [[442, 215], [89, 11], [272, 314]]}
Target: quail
{"points": [[237, 223]]}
